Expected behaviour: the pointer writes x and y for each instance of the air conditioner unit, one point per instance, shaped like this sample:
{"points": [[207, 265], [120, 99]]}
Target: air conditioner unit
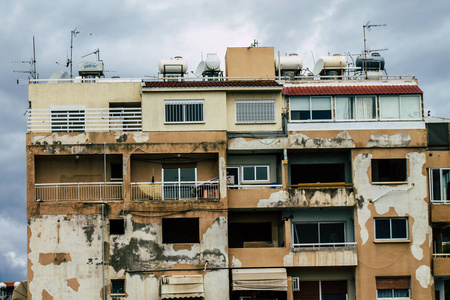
{"points": [[295, 284]]}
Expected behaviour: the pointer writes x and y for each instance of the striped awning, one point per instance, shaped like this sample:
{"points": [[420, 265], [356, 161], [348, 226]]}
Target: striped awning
{"points": [[182, 286], [263, 279]]}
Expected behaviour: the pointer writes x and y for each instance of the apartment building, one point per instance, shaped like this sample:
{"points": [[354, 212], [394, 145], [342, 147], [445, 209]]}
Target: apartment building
{"points": [[263, 185]]}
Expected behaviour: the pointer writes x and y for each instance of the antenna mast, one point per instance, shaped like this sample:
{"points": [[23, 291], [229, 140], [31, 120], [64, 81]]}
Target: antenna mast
{"points": [[73, 34], [32, 62], [368, 26]]}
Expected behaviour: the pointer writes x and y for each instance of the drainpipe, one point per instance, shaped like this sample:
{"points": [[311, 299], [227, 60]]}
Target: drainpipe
{"points": [[103, 223]]}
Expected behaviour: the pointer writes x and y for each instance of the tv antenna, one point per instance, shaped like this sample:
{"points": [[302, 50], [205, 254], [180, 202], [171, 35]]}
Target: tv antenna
{"points": [[368, 26], [32, 62], [97, 52], [73, 34]]}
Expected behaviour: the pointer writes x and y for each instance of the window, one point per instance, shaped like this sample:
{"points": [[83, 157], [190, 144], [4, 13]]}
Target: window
{"points": [[402, 107], [184, 111], [255, 111], [255, 173], [389, 170], [391, 228], [393, 287], [322, 290], [330, 233], [117, 286], [310, 108], [239, 233], [438, 136], [116, 171], [439, 184], [356, 108], [68, 118], [116, 226], [178, 182], [180, 230], [313, 173]]}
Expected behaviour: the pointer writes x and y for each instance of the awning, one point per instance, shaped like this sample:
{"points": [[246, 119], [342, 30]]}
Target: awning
{"points": [[182, 286], [259, 279], [20, 292]]}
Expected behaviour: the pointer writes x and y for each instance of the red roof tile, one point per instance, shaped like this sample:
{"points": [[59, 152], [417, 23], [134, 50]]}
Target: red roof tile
{"points": [[351, 90], [199, 84]]}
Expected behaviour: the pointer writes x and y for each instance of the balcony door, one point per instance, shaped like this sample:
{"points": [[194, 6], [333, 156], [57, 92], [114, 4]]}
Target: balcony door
{"points": [[179, 182]]}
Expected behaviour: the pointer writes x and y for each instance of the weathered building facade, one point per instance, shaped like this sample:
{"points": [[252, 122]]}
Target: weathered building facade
{"points": [[259, 188]]}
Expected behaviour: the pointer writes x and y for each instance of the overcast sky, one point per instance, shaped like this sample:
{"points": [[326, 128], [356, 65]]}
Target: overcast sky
{"points": [[134, 35]]}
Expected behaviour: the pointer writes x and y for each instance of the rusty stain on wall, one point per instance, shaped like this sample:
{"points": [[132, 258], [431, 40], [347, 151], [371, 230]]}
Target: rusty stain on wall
{"points": [[389, 141]]}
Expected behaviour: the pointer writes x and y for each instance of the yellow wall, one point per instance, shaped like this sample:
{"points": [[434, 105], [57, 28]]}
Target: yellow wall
{"points": [[250, 62], [91, 95], [153, 111]]}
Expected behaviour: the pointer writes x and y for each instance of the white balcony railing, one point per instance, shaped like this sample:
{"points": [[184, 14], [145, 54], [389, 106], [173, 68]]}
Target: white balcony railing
{"points": [[323, 245], [440, 201], [255, 186], [78, 191], [186, 190], [90, 119], [441, 255]]}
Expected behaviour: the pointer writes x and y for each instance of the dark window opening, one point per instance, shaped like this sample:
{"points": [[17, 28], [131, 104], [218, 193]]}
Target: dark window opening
{"points": [[180, 230], [389, 170], [393, 287], [313, 173], [391, 228], [239, 233], [322, 290], [116, 171], [437, 135], [319, 233], [116, 226], [117, 286]]}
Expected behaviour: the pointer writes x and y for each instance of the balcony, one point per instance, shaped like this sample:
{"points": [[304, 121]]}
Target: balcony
{"points": [[80, 119], [250, 196], [322, 194], [78, 191], [441, 264], [324, 254], [184, 190]]}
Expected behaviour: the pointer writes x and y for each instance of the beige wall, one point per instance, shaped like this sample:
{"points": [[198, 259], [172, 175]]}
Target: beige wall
{"points": [[250, 62], [153, 111], [257, 95], [91, 95]]}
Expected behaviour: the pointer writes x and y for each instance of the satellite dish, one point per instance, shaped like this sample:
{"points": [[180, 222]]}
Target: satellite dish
{"points": [[318, 67], [64, 75], [200, 69], [55, 76]]}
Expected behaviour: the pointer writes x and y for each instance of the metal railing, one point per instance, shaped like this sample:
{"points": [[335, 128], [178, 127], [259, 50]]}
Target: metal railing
{"points": [[324, 245], [441, 255], [440, 201], [78, 191], [254, 186], [185, 190], [89, 119]]}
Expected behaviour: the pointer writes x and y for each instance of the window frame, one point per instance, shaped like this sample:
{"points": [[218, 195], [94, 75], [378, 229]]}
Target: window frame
{"points": [[270, 120], [442, 186], [390, 229], [354, 98], [294, 231], [378, 181], [399, 97], [393, 284], [112, 287], [311, 110], [183, 103], [243, 180]]}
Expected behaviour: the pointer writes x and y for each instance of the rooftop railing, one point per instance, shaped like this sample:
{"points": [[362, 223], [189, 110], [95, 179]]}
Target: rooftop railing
{"points": [[89, 119]]}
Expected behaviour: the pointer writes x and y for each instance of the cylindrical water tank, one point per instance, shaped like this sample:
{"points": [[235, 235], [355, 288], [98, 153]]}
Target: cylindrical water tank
{"points": [[212, 62], [287, 63], [176, 65], [373, 62], [335, 61]]}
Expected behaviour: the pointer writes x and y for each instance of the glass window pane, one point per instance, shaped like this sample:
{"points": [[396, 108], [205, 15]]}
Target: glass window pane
{"points": [[300, 108], [344, 108], [445, 183], [321, 108], [399, 230], [194, 112], [365, 108], [436, 192], [389, 107], [382, 229], [401, 293], [384, 293], [306, 234], [171, 174], [187, 174], [331, 232], [410, 107], [248, 173], [261, 173]]}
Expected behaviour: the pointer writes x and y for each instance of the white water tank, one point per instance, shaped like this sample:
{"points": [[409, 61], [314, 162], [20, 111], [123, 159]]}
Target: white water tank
{"points": [[335, 61], [212, 62], [176, 65], [289, 63]]}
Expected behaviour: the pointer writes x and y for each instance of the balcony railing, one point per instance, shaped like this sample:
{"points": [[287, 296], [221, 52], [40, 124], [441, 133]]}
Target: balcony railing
{"points": [[185, 190], [255, 186], [441, 255], [322, 245], [79, 120], [78, 191], [440, 201]]}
